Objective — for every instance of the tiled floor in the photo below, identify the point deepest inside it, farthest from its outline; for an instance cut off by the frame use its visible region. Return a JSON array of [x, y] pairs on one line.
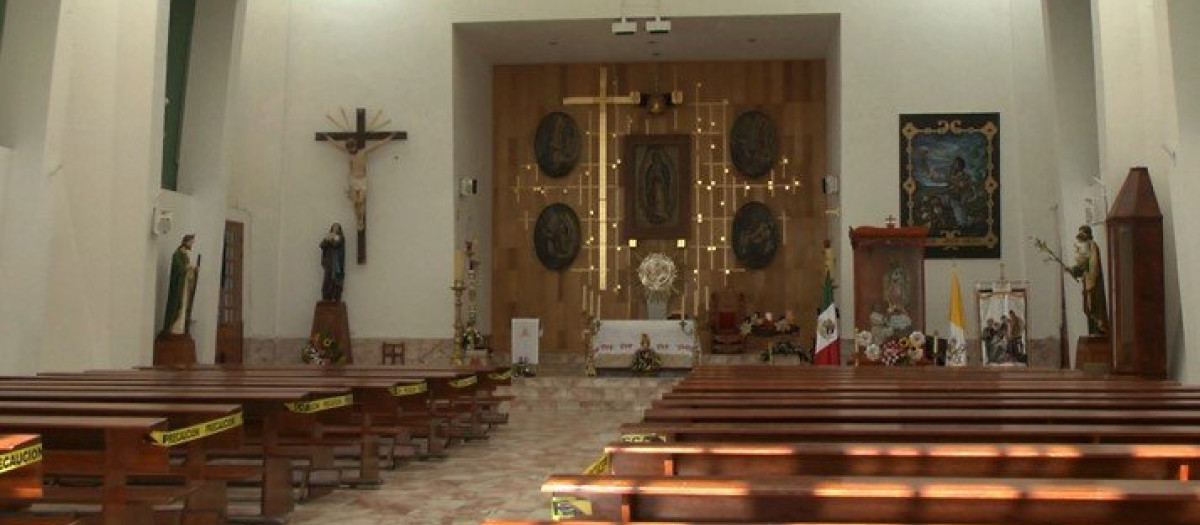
[[499, 477]]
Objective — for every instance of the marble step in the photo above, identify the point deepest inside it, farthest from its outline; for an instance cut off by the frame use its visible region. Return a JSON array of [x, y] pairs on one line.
[[575, 394]]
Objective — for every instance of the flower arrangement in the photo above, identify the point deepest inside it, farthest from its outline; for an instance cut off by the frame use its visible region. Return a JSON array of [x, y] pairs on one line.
[[645, 360], [323, 350], [786, 348], [767, 324], [523, 368], [471, 338], [897, 351]]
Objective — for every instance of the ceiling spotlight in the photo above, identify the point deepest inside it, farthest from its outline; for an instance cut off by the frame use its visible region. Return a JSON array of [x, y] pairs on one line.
[[624, 27], [658, 26]]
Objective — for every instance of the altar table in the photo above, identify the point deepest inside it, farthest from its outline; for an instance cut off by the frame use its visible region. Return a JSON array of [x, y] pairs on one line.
[[616, 341]]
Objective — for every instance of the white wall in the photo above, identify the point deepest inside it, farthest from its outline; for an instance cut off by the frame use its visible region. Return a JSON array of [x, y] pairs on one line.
[[77, 258], [1185, 183], [472, 141], [204, 173], [1069, 28], [1138, 124], [911, 57], [26, 61]]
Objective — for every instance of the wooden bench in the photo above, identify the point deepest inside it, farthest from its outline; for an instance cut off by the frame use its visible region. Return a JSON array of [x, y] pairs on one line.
[[755, 499], [20, 470], [198, 432], [275, 434], [915, 416], [110, 448], [999, 460]]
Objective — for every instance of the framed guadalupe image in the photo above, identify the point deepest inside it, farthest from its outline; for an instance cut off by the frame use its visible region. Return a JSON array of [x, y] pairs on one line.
[[1003, 323], [656, 178], [950, 182]]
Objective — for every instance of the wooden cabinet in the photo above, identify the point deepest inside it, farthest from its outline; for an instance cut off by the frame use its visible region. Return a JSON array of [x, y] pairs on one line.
[[1135, 261], [889, 279]]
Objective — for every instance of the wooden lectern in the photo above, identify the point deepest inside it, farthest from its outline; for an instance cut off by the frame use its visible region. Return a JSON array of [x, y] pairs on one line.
[[889, 276]]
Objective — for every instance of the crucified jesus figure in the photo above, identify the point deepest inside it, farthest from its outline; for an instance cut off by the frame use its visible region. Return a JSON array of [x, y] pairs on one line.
[[356, 187], [358, 141]]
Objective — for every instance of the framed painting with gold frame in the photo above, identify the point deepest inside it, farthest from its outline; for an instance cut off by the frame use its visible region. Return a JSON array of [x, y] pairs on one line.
[[950, 182], [656, 179]]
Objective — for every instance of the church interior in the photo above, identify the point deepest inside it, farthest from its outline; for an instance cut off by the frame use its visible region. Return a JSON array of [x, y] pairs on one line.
[[426, 261]]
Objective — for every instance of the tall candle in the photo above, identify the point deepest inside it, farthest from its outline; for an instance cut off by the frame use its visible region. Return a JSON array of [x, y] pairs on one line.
[[459, 258], [583, 299]]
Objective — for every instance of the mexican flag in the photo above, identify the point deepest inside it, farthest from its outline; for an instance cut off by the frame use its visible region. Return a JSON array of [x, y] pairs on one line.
[[828, 350], [957, 333]]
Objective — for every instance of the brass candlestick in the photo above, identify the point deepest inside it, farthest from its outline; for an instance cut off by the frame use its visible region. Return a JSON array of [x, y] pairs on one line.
[[457, 357], [590, 326]]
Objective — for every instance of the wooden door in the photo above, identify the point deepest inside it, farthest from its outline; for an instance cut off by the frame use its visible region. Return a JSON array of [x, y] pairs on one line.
[[229, 308]]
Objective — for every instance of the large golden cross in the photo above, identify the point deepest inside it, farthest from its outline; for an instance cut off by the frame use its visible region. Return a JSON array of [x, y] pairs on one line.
[[603, 100]]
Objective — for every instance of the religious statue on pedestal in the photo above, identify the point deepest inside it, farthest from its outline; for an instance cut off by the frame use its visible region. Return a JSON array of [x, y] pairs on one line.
[[182, 288], [1089, 272], [333, 262]]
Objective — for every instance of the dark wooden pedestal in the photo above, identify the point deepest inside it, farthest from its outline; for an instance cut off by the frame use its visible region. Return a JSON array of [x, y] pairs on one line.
[[174, 350], [1093, 353], [330, 318]]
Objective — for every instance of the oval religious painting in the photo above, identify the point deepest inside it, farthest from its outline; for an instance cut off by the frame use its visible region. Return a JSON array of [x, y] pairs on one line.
[[556, 144], [753, 146], [556, 236], [756, 235]]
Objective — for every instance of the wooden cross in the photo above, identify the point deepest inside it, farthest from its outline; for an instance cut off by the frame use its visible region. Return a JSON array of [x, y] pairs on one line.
[[603, 100], [358, 143]]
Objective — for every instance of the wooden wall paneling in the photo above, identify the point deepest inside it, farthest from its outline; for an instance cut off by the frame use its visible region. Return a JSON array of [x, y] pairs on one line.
[[791, 92]]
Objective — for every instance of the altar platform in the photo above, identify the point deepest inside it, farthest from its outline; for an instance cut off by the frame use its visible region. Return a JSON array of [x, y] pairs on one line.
[[674, 340]]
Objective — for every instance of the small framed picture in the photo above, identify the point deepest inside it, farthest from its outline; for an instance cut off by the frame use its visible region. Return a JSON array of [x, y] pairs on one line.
[[1003, 323]]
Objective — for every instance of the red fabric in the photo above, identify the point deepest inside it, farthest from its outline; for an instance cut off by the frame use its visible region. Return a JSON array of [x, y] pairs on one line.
[[830, 355], [726, 320]]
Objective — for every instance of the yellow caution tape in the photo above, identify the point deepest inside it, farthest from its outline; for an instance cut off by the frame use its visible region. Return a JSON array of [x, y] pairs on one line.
[[170, 438], [569, 507], [464, 382], [409, 390], [600, 466], [652, 437], [318, 405], [20, 457], [500, 376]]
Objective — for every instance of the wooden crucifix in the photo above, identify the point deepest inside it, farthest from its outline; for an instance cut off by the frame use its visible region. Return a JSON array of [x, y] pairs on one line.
[[358, 142]]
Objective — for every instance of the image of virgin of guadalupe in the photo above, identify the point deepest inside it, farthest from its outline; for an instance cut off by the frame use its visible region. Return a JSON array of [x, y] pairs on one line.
[[333, 263], [658, 206]]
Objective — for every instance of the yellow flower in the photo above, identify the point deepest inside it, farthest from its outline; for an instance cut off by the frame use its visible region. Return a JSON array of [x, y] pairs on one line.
[[327, 342]]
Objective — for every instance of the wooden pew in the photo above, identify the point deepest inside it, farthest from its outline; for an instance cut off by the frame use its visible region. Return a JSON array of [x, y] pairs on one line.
[[111, 448], [916, 416], [20, 470], [419, 415], [198, 432], [754, 499], [366, 420], [999, 460], [280, 433], [1110, 403]]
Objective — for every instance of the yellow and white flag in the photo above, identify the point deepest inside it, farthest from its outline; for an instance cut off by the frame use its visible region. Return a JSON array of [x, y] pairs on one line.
[[956, 351]]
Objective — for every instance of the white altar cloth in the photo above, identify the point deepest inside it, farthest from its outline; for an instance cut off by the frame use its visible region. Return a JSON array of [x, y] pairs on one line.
[[616, 341]]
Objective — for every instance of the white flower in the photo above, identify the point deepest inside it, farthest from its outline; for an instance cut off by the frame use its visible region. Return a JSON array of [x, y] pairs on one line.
[[876, 319], [873, 352], [916, 353], [863, 338], [917, 338], [900, 322]]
